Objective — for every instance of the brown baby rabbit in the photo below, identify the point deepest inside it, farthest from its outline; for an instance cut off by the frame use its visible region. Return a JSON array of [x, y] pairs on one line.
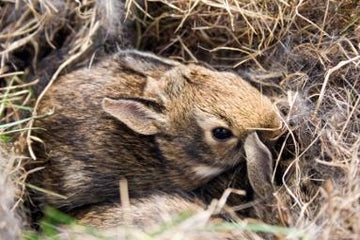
[[162, 125]]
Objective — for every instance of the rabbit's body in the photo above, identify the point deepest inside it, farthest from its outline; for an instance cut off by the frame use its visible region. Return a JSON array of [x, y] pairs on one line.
[[153, 121]]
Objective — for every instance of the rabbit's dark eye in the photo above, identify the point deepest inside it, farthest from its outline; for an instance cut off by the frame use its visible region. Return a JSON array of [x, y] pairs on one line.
[[221, 133]]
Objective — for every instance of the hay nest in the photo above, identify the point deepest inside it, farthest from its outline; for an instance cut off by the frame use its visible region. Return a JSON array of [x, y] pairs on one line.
[[304, 54]]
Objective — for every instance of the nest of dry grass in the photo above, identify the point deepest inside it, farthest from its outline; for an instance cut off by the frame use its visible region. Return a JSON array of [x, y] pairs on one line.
[[304, 54]]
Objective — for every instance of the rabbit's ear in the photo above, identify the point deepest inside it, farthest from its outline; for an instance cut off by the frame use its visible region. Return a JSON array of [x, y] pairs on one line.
[[259, 165], [135, 115]]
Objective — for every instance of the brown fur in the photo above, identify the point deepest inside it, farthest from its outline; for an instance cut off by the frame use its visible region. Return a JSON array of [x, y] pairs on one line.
[[170, 111], [235, 178]]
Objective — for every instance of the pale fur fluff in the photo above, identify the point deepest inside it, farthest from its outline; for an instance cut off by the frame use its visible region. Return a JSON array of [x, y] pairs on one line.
[[207, 171], [113, 14], [10, 222], [148, 215]]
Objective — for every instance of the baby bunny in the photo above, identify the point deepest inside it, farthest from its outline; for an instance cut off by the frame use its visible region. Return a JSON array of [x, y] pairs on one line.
[[162, 125]]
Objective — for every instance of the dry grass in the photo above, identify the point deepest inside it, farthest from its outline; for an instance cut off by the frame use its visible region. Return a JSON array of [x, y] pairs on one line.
[[304, 54]]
